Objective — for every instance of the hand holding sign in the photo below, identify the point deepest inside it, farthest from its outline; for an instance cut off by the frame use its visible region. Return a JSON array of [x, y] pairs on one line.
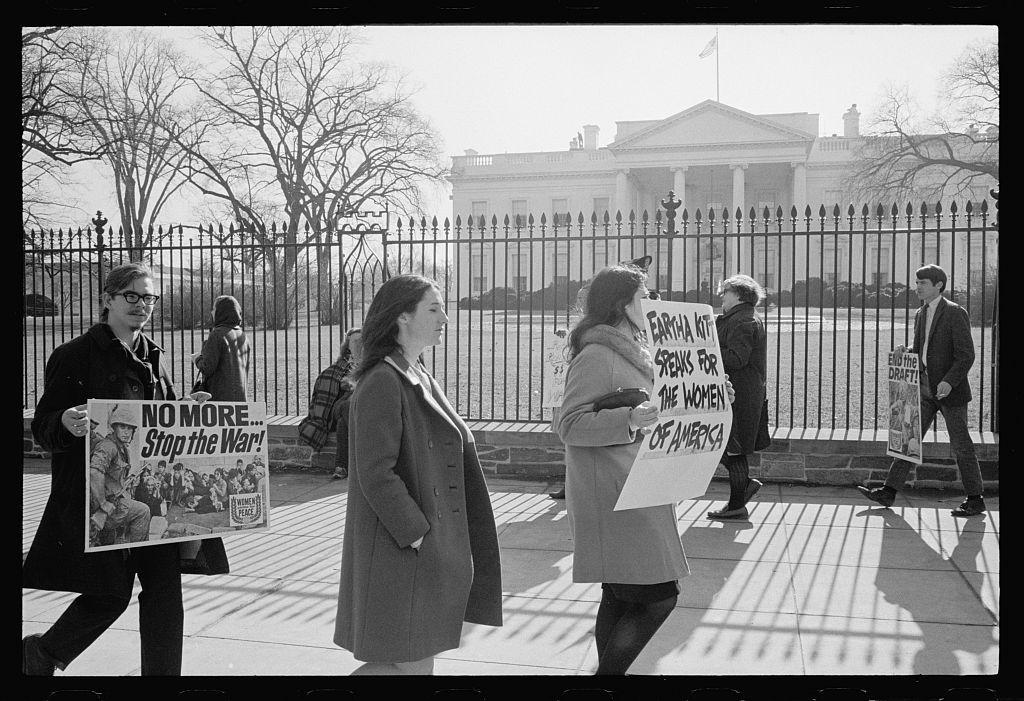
[[642, 416]]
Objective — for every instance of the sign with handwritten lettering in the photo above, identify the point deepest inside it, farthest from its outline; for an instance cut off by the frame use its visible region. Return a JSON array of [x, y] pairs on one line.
[[905, 408], [679, 454], [555, 365]]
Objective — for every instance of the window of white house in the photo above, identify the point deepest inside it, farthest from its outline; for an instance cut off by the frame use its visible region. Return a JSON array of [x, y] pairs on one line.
[[519, 270], [769, 199], [480, 210], [601, 208], [717, 203], [560, 211], [519, 207], [478, 271], [766, 262], [879, 261]]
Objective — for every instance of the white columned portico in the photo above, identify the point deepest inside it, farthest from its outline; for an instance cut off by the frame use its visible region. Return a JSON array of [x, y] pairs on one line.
[[738, 185], [622, 193], [679, 185], [799, 188]]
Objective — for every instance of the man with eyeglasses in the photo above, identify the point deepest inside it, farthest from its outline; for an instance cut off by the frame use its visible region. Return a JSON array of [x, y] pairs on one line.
[[114, 359]]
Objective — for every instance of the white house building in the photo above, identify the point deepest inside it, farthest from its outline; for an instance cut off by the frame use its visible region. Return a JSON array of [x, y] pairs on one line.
[[712, 156]]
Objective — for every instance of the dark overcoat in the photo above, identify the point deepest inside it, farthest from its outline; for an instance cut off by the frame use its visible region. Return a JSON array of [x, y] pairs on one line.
[[413, 471], [950, 349], [95, 365], [744, 344], [224, 359]]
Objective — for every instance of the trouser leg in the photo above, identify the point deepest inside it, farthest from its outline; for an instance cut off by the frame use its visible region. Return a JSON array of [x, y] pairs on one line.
[[631, 634], [899, 469], [88, 616], [609, 612], [739, 478], [341, 457], [161, 612], [963, 447]]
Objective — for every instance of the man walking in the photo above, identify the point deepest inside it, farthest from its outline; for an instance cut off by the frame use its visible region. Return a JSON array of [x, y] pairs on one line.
[[942, 340]]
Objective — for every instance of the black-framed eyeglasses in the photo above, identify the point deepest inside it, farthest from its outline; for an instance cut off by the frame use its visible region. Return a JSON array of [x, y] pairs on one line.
[[134, 297]]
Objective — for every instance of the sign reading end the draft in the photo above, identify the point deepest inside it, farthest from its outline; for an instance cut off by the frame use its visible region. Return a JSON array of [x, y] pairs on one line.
[[678, 457], [164, 471], [905, 408]]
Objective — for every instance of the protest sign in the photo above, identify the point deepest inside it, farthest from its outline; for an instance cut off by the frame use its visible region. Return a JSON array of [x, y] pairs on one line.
[[555, 364], [905, 408], [163, 471], [678, 457]]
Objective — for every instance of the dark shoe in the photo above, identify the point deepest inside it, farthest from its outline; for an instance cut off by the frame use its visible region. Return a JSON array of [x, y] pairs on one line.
[[729, 514], [560, 494], [340, 473], [752, 487], [34, 660], [969, 507], [878, 495]]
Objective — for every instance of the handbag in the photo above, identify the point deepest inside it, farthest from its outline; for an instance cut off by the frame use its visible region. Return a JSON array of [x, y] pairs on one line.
[[764, 438], [631, 397], [206, 556]]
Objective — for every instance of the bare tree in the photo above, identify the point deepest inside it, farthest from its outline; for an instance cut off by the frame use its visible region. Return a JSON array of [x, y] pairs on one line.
[[293, 118], [952, 152], [137, 110]]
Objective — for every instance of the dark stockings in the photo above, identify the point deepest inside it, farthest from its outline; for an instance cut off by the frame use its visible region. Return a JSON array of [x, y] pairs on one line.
[[739, 478], [624, 628]]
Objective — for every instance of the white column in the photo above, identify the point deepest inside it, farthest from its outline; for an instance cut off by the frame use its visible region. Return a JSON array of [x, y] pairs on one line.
[[738, 183], [622, 194], [679, 186], [799, 188]]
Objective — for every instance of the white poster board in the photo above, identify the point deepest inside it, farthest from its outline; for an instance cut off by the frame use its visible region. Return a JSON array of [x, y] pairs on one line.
[[678, 457], [555, 364], [905, 408], [168, 471]]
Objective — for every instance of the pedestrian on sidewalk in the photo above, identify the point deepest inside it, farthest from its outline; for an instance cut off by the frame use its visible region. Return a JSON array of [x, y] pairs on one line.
[[114, 359], [329, 402], [420, 552], [943, 342], [224, 358], [744, 345], [636, 554]]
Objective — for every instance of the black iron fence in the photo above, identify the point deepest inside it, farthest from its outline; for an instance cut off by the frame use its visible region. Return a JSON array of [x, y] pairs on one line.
[[837, 280]]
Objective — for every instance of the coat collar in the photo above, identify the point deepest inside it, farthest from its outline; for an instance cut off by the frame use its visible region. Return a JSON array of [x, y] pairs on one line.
[[406, 372], [621, 343], [741, 309], [104, 337]]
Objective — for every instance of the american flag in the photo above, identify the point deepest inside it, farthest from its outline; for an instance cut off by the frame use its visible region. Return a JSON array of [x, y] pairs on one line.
[[710, 48]]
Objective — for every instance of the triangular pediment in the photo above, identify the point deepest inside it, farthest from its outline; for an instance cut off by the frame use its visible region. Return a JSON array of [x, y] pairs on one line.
[[711, 122]]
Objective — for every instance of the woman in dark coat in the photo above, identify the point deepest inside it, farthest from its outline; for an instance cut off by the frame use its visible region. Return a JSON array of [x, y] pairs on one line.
[[112, 360], [224, 359], [744, 345], [420, 551]]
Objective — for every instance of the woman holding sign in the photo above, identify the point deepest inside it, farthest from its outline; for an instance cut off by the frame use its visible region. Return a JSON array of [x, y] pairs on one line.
[[636, 554], [420, 553], [114, 359], [744, 345]]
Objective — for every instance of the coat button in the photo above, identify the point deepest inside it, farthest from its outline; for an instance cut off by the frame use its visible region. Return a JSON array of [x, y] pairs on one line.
[[135, 388], [435, 491], [430, 444], [439, 515]]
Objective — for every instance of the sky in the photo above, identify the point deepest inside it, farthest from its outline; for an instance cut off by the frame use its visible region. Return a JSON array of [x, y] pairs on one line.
[[512, 88]]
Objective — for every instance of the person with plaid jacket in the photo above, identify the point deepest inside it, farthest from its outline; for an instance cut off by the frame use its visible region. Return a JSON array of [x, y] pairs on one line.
[[328, 403]]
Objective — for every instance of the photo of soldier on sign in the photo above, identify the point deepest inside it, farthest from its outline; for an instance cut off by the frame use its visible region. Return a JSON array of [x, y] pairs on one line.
[[159, 471]]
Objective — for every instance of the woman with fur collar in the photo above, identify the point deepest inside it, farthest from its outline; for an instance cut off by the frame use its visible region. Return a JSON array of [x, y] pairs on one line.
[[636, 554]]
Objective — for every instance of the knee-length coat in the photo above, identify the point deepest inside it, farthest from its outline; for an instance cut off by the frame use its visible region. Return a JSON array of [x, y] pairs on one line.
[[634, 546], [413, 471], [744, 344], [95, 365]]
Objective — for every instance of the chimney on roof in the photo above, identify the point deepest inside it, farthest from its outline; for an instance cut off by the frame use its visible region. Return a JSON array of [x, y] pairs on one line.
[[590, 132], [851, 122]]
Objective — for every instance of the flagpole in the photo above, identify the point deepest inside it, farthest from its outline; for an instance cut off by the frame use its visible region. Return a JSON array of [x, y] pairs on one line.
[[718, 97]]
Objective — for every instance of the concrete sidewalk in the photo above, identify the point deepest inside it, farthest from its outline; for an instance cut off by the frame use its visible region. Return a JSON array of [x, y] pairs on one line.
[[817, 583]]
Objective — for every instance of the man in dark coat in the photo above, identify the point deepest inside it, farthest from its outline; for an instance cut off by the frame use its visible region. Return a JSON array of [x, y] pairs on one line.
[[112, 360], [224, 359], [942, 340]]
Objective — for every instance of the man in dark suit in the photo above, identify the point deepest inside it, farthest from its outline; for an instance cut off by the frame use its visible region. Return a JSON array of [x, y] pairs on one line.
[[942, 339]]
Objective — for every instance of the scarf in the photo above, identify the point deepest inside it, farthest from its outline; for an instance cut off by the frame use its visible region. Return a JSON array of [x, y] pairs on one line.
[[623, 344]]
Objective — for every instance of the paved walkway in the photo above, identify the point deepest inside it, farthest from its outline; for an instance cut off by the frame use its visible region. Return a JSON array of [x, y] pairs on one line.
[[817, 583]]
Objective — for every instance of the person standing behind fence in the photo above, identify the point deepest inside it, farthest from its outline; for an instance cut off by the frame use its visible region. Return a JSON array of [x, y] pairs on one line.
[[112, 360], [636, 554], [328, 403], [420, 551], [224, 358], [744, 345], [942, 340]]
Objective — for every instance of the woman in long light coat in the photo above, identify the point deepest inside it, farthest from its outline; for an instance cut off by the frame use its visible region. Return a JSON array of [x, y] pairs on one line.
[[636, 554], [420, 551]]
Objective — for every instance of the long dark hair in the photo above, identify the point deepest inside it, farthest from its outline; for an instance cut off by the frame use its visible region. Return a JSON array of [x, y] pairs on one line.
[[610, 293], [399, 295]]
